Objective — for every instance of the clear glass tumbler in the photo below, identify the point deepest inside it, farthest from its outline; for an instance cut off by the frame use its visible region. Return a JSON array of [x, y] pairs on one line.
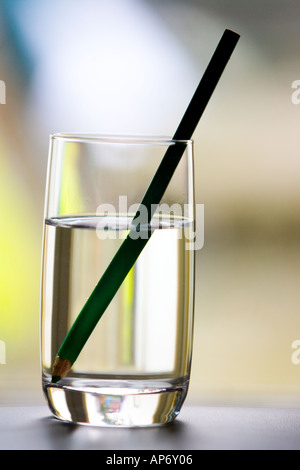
[[134, 369]]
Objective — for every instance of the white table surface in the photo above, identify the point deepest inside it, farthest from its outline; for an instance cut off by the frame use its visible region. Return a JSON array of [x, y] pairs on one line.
[[196, 428]]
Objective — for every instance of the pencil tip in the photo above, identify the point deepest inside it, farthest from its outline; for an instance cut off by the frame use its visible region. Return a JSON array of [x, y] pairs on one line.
[[55, 379], [60, 369]]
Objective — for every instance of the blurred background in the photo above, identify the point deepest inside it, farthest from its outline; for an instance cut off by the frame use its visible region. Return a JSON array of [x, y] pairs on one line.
[[131, 66]]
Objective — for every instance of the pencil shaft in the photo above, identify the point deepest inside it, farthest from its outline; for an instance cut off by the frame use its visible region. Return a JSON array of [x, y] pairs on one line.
[[207, 85], [132, 246], [190, 120]]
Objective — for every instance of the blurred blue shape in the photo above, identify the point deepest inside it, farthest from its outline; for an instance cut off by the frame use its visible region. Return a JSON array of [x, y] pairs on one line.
[[14, 45]]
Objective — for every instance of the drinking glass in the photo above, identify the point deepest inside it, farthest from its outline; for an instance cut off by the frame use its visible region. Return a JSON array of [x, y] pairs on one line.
[[134, 369]]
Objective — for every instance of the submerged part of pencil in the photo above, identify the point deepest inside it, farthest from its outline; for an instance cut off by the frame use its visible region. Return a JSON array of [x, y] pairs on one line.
[[61, 368]]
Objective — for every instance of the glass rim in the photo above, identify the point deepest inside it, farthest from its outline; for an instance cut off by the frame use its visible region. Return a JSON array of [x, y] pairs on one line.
[[118, 138]]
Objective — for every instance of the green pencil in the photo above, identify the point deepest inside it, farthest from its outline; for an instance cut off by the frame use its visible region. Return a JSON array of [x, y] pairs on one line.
[[132, 246]]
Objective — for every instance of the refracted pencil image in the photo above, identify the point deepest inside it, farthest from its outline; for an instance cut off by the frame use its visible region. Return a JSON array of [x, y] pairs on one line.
[[117, 312]]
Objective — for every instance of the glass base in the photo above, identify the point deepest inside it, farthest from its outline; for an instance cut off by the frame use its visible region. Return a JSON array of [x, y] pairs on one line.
[[129, 403]]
